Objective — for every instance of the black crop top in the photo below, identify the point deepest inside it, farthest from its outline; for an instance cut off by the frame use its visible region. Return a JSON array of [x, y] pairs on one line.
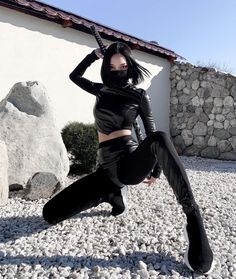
[[115, 108]]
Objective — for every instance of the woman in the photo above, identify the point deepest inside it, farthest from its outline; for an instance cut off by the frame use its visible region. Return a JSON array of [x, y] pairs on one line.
[[120, 160]]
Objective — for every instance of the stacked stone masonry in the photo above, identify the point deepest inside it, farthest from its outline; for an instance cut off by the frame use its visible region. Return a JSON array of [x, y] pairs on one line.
[[203, 112]]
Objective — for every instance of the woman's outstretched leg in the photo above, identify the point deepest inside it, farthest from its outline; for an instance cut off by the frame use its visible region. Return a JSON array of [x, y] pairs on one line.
[[81, 195], [133, 169]]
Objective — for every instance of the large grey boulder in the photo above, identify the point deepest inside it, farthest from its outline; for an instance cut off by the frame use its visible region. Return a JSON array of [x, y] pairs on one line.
[[33, 140], [4, 189]]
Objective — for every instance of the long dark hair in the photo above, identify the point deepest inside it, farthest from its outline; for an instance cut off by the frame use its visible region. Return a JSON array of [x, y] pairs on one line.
[[135, 72]]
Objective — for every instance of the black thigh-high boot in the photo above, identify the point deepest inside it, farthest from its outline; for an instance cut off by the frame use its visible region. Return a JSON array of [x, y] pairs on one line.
[[173, 169], [199, 256], [87, 192]]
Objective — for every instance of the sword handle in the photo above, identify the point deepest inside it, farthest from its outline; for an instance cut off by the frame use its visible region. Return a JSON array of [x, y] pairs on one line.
[[98, 39]]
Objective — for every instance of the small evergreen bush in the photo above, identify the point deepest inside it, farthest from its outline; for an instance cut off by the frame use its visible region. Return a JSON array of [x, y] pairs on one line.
[[81, 143]]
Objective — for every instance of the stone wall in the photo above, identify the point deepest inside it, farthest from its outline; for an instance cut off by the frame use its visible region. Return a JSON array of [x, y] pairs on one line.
[[203, 111]]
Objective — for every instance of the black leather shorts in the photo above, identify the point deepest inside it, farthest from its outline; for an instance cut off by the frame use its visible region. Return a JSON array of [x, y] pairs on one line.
[[111, 152]]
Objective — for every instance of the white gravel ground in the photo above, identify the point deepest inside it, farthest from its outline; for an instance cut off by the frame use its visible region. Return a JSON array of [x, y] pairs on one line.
[[146, 243]]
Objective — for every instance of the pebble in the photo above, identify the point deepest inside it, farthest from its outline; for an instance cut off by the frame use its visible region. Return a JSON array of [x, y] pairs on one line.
[[143, 274], [96, 268], [142, 265], [3, 253], [233, 273], [153, 273], [157, 266], [122, 251], [175, 273], [165, 270]]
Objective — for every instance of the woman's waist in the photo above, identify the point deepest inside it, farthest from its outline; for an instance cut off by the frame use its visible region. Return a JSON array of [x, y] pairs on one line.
[[111, 151], [102, 137]]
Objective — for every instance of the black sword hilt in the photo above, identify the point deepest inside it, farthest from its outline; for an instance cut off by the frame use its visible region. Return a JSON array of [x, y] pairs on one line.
[[98, 39]]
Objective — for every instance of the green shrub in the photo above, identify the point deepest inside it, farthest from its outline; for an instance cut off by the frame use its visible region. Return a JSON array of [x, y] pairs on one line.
[[81, 143]]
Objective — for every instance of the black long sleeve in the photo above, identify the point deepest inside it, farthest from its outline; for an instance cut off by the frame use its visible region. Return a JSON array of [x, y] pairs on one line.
[[146, 114], [149, 126], [77, 73]]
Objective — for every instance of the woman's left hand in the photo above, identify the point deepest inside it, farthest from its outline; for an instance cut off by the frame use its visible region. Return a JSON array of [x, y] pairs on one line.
[[98, 53], [150, 180]]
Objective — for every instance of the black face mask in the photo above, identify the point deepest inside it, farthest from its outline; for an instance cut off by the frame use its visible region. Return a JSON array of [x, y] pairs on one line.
[[118, 78]]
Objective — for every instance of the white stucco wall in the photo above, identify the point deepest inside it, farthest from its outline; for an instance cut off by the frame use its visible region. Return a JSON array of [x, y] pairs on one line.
[[157, 86], [35, 49]]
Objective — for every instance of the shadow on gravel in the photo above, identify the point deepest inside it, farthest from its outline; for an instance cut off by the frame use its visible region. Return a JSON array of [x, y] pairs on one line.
[[127, 262], [13, 228], [201, 164]]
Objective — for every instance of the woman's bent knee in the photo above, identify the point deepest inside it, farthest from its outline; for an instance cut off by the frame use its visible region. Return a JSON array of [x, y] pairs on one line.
[[47, 214]]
